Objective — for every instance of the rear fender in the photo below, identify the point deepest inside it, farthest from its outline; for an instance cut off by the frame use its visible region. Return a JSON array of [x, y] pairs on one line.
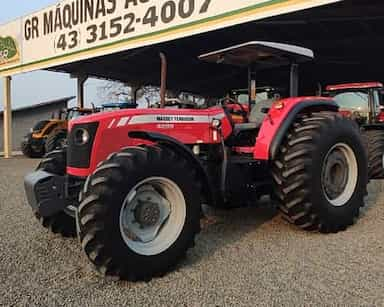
[[281, 117], [182, 150]]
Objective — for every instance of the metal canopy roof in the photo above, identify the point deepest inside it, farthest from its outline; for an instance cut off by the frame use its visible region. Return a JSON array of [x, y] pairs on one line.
[[261, 54], [347, 38]]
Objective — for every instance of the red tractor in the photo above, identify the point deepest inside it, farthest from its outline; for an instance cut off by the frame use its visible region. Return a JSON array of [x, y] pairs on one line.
[[131, 183], [363, 103]]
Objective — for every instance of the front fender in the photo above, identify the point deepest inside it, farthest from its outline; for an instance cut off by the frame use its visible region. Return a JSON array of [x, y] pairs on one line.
[[281, 117], [182, 150]]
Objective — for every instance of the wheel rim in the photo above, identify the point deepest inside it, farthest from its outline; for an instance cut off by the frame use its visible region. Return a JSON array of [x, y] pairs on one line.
[[152, 216], [339, 174]]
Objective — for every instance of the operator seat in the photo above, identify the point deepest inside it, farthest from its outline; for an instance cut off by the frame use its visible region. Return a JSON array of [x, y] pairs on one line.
[[256, 116]]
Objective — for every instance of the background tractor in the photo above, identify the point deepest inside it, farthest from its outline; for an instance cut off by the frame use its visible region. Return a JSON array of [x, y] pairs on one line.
[[363, 103], [143, 174], [48, 135]]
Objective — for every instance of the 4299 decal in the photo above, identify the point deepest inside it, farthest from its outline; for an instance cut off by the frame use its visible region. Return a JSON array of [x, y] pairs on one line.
[[127, 23]]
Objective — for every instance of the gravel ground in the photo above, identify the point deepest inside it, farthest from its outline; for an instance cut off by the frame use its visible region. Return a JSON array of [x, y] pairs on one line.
[[242, 257]]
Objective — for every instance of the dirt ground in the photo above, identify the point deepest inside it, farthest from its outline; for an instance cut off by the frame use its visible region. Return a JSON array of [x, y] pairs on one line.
[[243, 257]]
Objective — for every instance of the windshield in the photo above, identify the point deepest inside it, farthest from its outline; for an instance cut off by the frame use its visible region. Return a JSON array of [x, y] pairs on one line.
[[354, 104], [354, 100]]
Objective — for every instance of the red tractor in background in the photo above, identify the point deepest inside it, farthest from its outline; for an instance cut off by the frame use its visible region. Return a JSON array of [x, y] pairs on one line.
[[131, 183], [363, 103]]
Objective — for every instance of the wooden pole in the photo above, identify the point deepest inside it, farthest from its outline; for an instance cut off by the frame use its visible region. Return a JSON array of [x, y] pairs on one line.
[[7, 120]]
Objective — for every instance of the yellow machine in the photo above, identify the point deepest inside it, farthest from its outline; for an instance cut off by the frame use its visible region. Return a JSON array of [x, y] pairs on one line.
[[48, 135]]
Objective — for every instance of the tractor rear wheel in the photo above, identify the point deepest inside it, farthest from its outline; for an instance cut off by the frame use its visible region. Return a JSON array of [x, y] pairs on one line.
[[374, 140], [56, 141], [140, 213], [64, 222], [320, 173]]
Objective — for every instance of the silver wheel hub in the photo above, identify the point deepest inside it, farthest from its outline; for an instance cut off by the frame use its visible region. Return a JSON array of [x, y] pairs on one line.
[[339, 174], [147, 212], [152, 216]]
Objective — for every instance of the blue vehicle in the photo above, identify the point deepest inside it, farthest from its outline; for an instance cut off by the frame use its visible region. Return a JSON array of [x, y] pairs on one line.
[[117, 106]]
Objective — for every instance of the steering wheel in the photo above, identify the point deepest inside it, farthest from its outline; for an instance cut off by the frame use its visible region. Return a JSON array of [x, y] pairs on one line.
[[228, 100]]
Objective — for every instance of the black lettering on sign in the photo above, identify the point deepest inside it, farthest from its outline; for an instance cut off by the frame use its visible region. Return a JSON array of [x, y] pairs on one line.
[[75, 13], [128, 2], [92, 29], [100, 9], [27, 30], [58, 22], [67, 21], [48, 22], [151, 17], [103, 28], [62, 43], [186, 8], [112, 7], [73, 39], [168, 11], [88, 10], [205, 6], [31, 28], [131, 19], [115, 26]]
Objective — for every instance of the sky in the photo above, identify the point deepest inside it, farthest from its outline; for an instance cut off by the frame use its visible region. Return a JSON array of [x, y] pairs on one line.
[[36, 87]]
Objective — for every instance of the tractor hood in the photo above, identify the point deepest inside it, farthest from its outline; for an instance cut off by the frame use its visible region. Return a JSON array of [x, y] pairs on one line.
[[121, 118], [92, 138]]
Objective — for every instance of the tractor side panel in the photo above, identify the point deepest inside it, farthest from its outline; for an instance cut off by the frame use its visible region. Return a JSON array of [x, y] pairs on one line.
[[274, 120]]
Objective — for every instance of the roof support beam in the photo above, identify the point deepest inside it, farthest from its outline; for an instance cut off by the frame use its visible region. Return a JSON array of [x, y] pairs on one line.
[[7, 118]]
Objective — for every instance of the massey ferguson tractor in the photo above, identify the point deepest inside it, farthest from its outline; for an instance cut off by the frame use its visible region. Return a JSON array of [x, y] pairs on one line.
[[131, 183], [363, 103]]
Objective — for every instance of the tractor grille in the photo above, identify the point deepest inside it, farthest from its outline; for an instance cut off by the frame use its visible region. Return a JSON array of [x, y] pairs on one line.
[[79, 156]]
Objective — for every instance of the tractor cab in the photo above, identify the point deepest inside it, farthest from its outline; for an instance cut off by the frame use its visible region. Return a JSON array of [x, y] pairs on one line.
[[257, 56], [360, 101]]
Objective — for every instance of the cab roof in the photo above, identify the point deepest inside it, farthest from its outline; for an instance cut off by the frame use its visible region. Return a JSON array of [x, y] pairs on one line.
[[259, 53], [349, 86]]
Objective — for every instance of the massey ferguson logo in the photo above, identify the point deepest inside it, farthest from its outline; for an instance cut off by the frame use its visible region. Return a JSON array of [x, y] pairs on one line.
[[8, 50], [175, 118]]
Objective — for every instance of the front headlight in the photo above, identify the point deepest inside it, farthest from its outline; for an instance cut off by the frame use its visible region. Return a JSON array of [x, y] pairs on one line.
[[81, 136]]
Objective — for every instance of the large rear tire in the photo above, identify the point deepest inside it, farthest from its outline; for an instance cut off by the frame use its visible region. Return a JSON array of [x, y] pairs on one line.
[[64, 222], [320, 173], [374, 140], [140, 213]]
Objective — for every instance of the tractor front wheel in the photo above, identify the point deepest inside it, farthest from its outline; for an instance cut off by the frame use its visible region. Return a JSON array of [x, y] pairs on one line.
[[140, 213], [320, 173]]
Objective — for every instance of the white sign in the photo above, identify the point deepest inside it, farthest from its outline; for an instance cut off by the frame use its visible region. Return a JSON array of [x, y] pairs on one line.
[[78, 29]]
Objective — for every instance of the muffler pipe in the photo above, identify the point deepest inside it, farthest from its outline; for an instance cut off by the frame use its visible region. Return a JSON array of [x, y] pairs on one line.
[[163, 82]]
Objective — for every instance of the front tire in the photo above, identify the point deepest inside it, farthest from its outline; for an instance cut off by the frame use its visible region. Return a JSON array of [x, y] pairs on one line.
[[320, 173], [140, 213], [64, 222]]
